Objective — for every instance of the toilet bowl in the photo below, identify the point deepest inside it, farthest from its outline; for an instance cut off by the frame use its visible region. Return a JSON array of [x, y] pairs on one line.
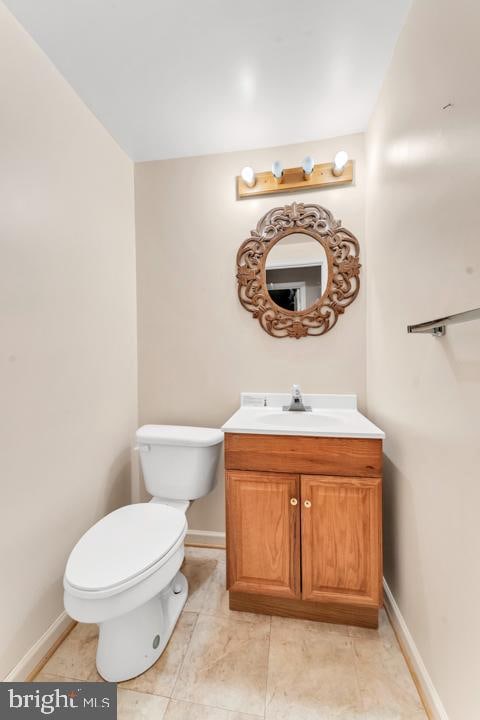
[[124, 573]]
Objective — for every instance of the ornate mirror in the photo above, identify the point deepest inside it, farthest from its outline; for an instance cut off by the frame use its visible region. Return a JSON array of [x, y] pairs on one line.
[[298, 271]]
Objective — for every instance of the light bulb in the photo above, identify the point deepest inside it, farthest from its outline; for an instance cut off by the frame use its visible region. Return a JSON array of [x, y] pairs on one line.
[[339, 162], [308, 164], [248, 176], [277, 170]]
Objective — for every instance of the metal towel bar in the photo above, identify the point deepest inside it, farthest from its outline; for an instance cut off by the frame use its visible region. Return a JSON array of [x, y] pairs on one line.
[[438, 327]]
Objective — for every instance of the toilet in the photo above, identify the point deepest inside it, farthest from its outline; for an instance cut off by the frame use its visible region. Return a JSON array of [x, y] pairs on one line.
[[124, 573]]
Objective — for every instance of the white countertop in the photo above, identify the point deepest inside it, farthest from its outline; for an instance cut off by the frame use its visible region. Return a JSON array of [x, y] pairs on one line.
[[331, 416]]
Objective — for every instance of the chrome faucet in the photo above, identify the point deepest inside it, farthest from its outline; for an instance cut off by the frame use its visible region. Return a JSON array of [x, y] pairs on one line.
[[296, 403]]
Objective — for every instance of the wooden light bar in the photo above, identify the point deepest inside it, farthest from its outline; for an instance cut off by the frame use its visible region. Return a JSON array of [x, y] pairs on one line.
[[293, 179]]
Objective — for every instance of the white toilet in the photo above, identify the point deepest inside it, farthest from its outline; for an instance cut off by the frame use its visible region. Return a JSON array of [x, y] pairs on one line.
[[123, 574]]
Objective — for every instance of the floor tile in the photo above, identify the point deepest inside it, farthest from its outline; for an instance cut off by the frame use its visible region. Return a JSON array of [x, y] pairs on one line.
[[207, 587], [318, 627], [133, 705], [180, 710], [216, 600], [75, 658], [218, 554], [311, 673], [384, 629], [226, 665], [160, 678], [387, 688], [198, 568]]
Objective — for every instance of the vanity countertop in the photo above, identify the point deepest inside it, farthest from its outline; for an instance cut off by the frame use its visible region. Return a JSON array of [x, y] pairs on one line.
[[331, 416]]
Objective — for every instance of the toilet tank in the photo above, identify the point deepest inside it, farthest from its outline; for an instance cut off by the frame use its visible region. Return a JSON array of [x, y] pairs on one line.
[[179, 462]]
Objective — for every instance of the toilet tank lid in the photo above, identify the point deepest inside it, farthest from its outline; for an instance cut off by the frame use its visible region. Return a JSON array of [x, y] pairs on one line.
[[179, 435]]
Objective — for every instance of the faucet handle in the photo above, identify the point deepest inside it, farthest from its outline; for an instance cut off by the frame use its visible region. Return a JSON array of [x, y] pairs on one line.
[[296, 392]]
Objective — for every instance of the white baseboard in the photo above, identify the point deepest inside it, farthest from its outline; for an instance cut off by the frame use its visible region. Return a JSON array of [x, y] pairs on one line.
[[426, 686], [205, 537], [35, 655]]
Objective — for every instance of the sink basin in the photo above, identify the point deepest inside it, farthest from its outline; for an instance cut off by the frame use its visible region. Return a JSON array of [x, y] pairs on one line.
[[332, 416], [298, 419]]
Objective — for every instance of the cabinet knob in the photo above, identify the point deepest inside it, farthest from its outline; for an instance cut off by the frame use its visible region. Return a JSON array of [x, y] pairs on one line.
[[293, 501], [307, 503]]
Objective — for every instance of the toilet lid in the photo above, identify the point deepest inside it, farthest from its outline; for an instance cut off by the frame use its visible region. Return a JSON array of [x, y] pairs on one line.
[[123, 545]]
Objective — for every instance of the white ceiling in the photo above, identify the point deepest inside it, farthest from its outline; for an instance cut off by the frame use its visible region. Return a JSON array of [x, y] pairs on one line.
[[170, 78]]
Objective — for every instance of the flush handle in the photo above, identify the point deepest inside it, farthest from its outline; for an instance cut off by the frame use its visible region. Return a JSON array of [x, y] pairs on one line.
[[293, 501], [307, 504]]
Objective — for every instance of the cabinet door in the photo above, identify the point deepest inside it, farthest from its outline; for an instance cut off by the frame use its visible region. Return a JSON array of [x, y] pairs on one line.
[[341, 539], [263, 533]]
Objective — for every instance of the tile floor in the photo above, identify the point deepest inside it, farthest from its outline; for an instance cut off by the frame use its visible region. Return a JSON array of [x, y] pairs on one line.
[[225, 665]]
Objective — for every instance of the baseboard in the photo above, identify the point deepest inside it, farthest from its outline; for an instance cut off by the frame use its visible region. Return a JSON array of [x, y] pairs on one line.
[[37, 656], [422, 679], [205, 538]]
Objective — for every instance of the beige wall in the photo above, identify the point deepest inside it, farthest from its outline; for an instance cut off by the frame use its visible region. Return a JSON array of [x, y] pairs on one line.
[[67, 328], [198, 347], [424, 262]]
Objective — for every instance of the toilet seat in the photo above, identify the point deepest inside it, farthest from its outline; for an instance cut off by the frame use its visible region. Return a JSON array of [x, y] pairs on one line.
[[123, 548]]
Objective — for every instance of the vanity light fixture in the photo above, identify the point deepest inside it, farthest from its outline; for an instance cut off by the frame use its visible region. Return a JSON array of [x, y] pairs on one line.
[[308, 176], [308, 165], [277, 171], [339, 162], [248, 176]]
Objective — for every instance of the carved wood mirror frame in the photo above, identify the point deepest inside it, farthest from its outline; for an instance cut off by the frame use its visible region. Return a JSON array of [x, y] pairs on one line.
[[342, 251]]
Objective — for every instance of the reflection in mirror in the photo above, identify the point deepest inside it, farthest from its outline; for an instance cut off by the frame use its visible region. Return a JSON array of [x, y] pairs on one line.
[[296, 272]]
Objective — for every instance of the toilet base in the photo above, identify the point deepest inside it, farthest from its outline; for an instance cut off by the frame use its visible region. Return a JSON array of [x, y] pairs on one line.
[[131, 643]]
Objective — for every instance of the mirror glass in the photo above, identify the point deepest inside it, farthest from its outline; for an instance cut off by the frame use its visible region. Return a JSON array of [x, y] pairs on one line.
[[296, 272]]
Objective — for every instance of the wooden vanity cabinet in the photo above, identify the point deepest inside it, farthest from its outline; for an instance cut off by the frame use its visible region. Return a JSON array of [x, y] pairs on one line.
[[306, 543], [341, 541], [264, 533]]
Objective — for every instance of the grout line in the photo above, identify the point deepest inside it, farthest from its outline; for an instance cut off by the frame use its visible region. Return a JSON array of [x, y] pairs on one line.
[[166, 709], [357, 678], [180, 667], [141, 692], [254, 716]]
